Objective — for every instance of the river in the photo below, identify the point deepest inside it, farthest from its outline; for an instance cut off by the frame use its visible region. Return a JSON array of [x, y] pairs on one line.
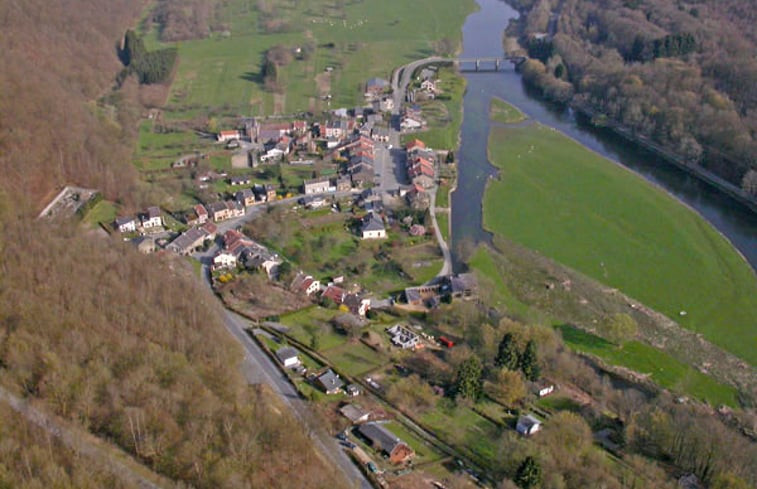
[[482, 36]]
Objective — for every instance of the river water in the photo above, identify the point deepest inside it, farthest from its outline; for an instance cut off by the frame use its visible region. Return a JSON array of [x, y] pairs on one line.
[[482, 36]]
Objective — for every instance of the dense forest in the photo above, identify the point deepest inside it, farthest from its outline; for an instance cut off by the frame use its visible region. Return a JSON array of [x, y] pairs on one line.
[[126, 347], [680, 75]]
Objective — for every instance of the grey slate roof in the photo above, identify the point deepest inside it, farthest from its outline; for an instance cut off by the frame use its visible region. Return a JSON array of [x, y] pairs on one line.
[[372, 223], [286, 353], [380, 436], [330, 380]]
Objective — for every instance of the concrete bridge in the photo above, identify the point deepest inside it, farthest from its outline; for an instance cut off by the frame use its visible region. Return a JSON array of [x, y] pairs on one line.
[[485, 63]]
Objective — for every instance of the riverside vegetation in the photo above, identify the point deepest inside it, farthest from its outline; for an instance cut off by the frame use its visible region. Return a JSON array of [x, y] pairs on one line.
[[679, 74]]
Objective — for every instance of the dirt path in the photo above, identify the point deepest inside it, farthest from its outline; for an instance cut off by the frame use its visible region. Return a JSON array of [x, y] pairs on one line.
[[99, 452]]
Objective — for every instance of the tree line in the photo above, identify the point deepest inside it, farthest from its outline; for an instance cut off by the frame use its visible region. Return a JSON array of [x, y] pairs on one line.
[[148, 66], [682, 78]]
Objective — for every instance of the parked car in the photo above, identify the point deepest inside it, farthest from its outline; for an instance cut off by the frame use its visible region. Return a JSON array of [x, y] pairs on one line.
[[342, 436]]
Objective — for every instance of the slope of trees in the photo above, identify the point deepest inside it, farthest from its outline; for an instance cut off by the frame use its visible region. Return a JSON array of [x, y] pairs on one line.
[[30, 458], [136, 354], [679, 75], [55, 60], [181, 20], [128, 347]]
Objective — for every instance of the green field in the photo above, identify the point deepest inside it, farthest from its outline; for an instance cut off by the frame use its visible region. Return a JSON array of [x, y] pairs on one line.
[[662, 368], [354, 358], [504, 113], [442, 220], [470, 432], [571, 205], [359, 40]]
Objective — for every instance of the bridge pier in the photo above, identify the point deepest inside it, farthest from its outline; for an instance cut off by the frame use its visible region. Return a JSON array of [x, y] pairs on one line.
[[477, 64], [496, 65]]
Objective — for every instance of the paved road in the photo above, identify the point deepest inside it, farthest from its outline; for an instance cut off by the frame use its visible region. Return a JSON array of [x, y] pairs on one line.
[[447, 266], [258, 368], [108, 457], [401, 78]]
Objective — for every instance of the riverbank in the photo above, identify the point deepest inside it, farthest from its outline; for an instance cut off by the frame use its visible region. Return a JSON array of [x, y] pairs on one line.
[[728, 188], [569, 204]]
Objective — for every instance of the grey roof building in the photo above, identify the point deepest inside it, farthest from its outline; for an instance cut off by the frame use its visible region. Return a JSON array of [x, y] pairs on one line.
[[330, 382]]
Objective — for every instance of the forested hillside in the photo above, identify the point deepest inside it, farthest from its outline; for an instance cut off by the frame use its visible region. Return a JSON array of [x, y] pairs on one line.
[[128, 347], [678, 74]]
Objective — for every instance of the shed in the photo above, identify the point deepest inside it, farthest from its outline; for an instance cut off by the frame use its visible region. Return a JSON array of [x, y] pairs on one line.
[[355, 413], [288, 357], [528, 425]]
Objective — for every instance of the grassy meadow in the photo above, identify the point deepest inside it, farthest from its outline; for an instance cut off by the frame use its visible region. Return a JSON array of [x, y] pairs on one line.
[[504, 113], [661, 367], [358, 39], [571, 205]]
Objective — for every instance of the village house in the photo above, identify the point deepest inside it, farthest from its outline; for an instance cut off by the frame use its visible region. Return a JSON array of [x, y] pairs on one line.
[[372, 227], [429, 85], [343, 184], [224, 260], [336, 129], [192, 239], [459, 286], [387, 442], [380, 134], [403, 337], [356, 304], [299, 127], [225, 136], [246, 197], [197, 216], [355, 413], [152, 218], [527, 425], [218, 211], [305, 284], [264, 133], [415, 145], [329, 382], [126, 224], [317, 186], [270, 192], [145, 244], [240, 180], [334, 294], [288, 357], [418, 198], [375, 87]]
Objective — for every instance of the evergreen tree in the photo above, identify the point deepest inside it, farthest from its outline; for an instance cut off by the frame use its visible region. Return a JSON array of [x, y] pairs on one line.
[[469, 374], [528, 474], [507, 356], [529, 363]]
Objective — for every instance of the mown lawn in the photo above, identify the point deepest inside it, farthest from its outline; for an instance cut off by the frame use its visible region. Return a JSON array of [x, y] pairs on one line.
[[504, 113], [423, 452], [571, 205], [354, 358], [661, 367], [467, 430]]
